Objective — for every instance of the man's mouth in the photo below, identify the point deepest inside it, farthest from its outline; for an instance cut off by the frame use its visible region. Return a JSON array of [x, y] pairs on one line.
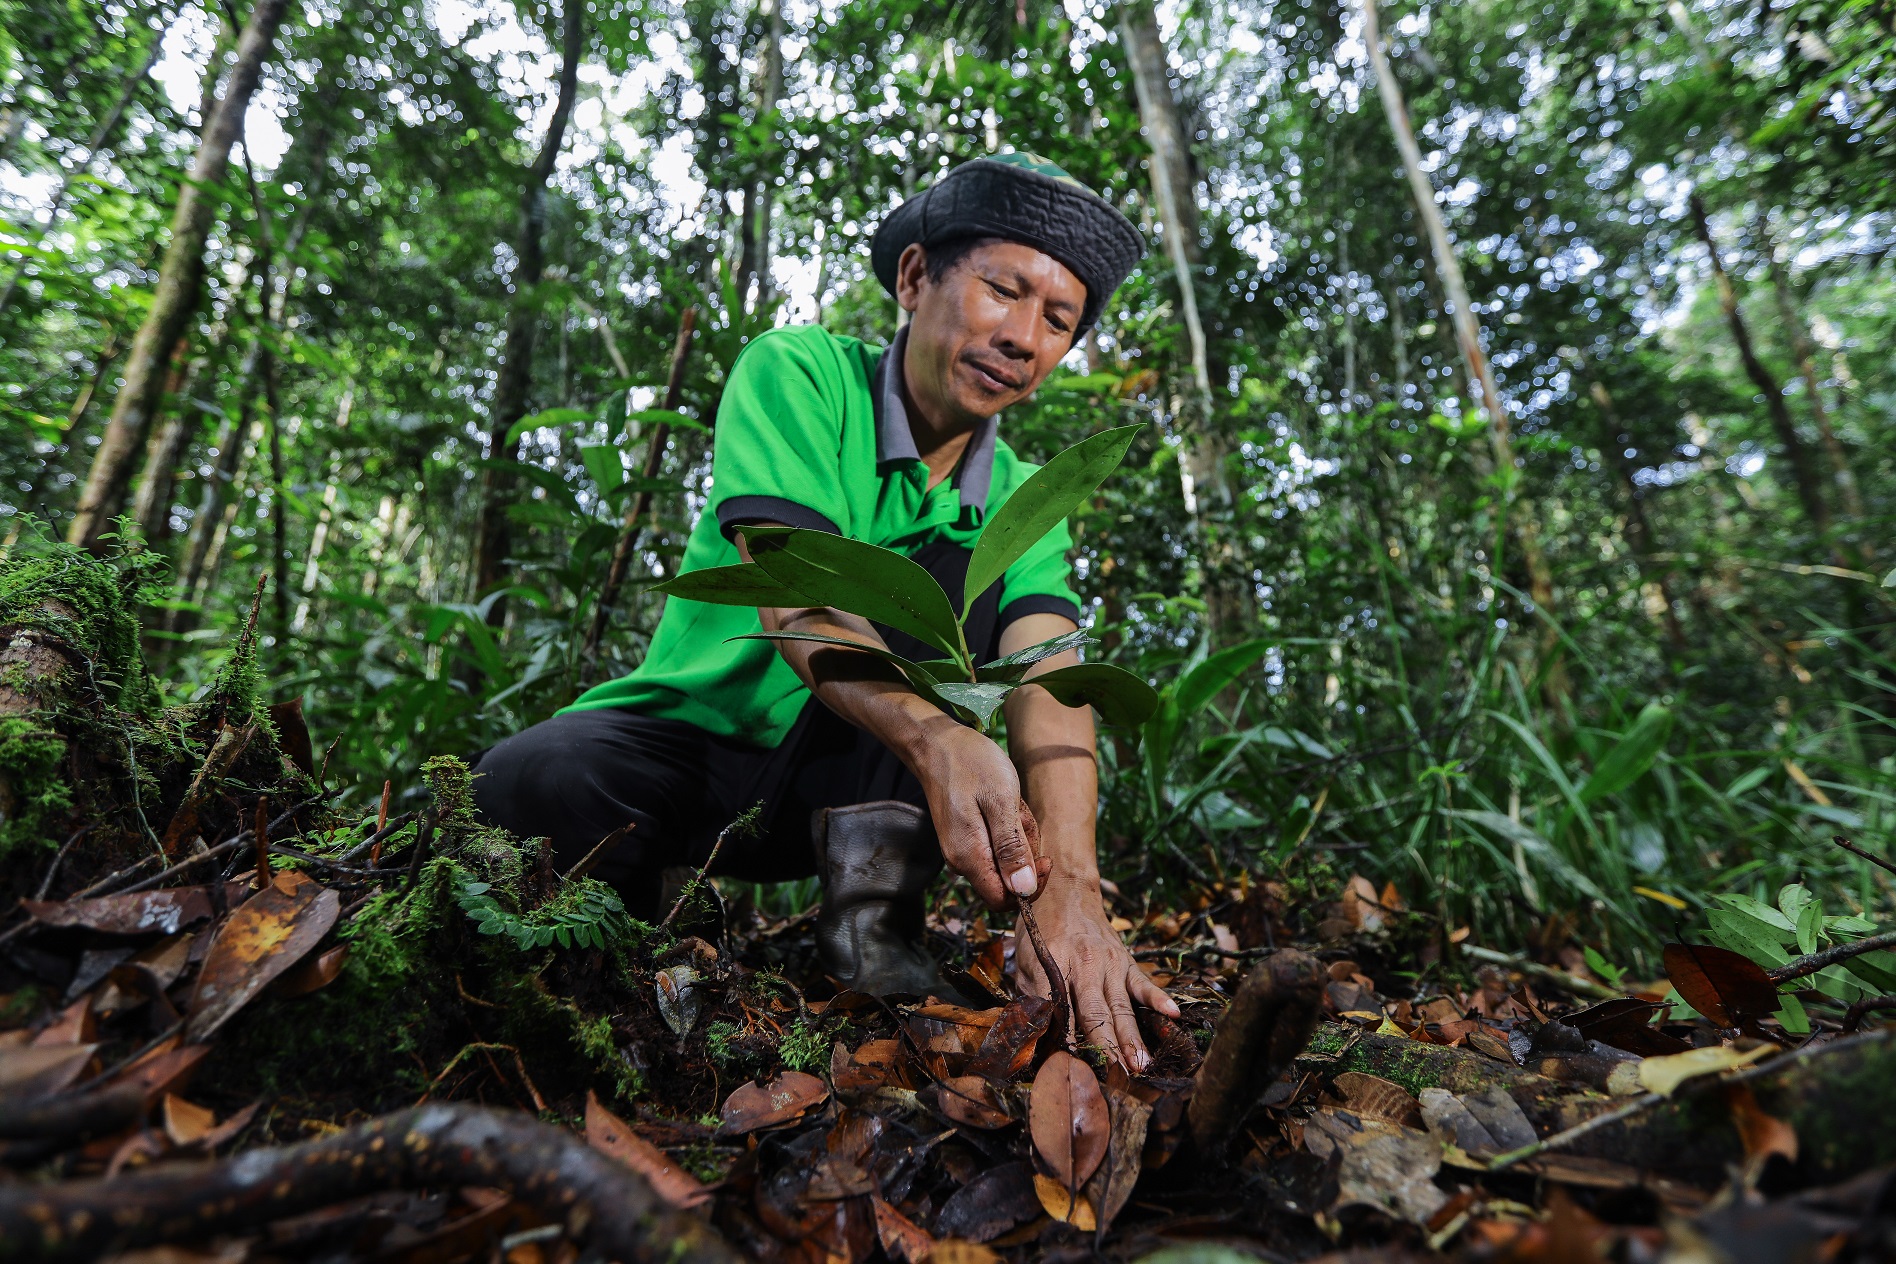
[[992, 378]]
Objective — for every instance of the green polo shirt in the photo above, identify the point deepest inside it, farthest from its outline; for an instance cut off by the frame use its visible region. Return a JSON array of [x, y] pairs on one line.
[[812, 432]]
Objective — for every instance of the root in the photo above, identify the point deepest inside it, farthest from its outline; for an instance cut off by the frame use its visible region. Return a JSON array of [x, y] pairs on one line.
[[608, 1208]]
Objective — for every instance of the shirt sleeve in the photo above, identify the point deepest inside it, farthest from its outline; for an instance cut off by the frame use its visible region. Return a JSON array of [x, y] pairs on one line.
[[779, 440], [1041, 582]]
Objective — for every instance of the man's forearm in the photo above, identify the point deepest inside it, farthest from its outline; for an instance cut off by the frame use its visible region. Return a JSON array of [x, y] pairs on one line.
[[1056, 751]]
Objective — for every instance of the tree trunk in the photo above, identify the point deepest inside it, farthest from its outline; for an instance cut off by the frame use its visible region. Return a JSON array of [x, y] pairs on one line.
[[516, 371], [180, 279], [100, 138], [279, 512], [1804, 477], [1516, 514], [1639, 536], [151, 507], [1804, 352], [754, 262], [1202, 471]]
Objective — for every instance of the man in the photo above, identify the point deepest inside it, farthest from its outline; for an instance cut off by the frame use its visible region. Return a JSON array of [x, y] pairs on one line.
[[1003, 264]]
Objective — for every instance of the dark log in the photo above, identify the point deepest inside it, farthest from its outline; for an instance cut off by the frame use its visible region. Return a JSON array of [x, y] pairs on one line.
[[1270, 1022], [74, 1116], [609, 1209]]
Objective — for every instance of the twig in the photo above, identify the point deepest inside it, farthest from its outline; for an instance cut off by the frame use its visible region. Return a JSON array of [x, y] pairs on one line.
[[1798, 967], [1853, 1018], [367, 845], [1572, 982], [279, 849], [424, 839], [600, 848], [52, 870], [1642, 1104], [744, 822], [485, 1047], [1854, 850]]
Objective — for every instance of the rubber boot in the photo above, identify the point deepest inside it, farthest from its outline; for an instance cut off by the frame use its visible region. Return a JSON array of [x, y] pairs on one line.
[[876, 861]]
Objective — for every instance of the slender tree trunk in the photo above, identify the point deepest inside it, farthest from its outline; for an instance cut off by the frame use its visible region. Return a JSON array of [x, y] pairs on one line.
[[1515, 513], [1804, 352], [151, 507], [180, 279], [279, 511], [1639, 535], [1173, 190], [1804, 476], [95, 145], [516, 373], [754, 262]]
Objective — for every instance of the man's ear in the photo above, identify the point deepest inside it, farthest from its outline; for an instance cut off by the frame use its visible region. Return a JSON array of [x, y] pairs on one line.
[[911, 274]]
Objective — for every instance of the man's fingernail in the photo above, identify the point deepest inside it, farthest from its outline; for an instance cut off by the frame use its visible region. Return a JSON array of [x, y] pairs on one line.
[[1023, 880], [1141, 1059]]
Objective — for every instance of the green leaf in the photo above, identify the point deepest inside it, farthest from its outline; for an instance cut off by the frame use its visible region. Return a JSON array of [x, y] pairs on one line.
[[550, 419], [546, 480], [1746, 935], [861, 579], [1014, 666], [983, 700], [1810, 927], [1201, 684], [1632, 755], [1796, 1022], [1759, 911], [1041, 503], [745, 584], [1792, 899], [603, 462], [664, 417], [1119, 696], [1851, 925]]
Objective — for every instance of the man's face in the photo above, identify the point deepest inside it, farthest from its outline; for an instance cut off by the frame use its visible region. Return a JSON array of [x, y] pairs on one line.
[[987, 334]]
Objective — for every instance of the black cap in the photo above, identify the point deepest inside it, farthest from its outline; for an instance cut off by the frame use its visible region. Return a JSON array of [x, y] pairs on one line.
[[1020, 197]]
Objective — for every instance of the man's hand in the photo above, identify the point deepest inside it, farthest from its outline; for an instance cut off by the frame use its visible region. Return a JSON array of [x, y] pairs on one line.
[[974, 797], [1103, 982]]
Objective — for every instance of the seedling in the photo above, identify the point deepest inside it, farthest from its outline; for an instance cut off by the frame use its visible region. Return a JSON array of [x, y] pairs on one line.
[[795, 567]]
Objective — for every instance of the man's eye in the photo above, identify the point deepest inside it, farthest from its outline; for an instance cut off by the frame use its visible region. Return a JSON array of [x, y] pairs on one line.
[[1001, 290]]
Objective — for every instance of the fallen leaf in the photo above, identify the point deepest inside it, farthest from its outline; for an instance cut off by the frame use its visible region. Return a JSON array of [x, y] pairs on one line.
[[1381, 1165], [1008, 1048], [1663, 1075], [140, 913], [311, 974], [1373, 1097], [35, 1071], [1068, 1119], [1112, 1185], [164, 1070], [989, 1205], [678, 999], [1065, 1205], [186, 1122], [757, 1105], [1361, 906], [901, 1238], [75, 1025], [1486, 1123], [1730, 989], [1495, 1044], [230, 1127], [613, 1137], [1626, 1023], [265, 936], [1763, 1135], [971, 1101], [956, 1251]]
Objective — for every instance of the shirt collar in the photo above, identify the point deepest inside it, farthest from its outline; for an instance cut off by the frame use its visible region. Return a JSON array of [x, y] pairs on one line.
[[895, 441]]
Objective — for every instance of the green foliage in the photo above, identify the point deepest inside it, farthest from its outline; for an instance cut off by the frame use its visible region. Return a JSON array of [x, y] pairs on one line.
[[34, 792], [585, 914], [1797, 925]]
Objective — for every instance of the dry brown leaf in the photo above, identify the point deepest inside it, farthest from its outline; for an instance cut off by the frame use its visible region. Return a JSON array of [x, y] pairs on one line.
[[1763, 1135], [265, 936], [1112, 1185], [971, 1101], [1068, 1119], [164, 1070], [34, 1071], [1008, 1048], [1065, 1205], [960, 1251], [1663, 1075], [311, 974], [1376, 1098], [142, 913], [186, 1122], [902, 1239], [74, 1026], [755, 1106], [613, 1137], [1361, 906], [1730, 989], [1383, 1165]]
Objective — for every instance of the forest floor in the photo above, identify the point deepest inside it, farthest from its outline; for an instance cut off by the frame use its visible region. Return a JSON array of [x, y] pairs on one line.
[[236, 1025]]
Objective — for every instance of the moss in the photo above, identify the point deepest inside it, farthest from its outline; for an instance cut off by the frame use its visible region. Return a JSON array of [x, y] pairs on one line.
[[453, 788], [1415, 1071], [1329, 1040], [805, 1046], [91, 603], [34, 793]]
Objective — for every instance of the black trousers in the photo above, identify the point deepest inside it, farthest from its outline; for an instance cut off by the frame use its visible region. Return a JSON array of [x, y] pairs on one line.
[[577, 777]]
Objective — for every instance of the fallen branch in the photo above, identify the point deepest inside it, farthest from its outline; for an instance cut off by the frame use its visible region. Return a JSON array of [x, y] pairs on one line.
[[610, 1209], [1799, 967], [1854, 850], [73, 1117], [1270, 1021]]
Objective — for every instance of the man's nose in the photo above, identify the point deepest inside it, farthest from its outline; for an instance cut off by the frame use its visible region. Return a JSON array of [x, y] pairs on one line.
[[1015, 336]]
